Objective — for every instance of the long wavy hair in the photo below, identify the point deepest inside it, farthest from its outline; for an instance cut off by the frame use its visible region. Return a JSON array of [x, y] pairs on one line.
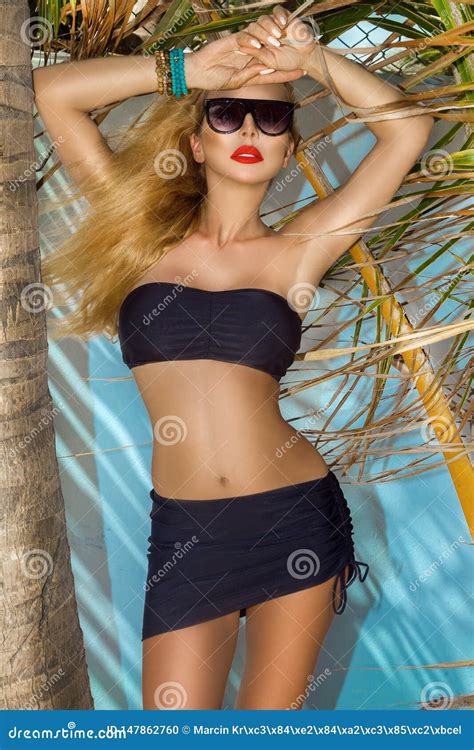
[[149, 201]]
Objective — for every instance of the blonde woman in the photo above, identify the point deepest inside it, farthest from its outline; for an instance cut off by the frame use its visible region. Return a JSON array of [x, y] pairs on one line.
[[175, 258]]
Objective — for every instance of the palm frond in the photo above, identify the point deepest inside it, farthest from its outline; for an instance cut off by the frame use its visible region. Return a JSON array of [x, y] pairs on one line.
[[399, 344]]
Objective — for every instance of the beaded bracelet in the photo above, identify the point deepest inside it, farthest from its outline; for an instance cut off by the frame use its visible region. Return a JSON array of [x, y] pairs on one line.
[[163, 72], [177, 71], [170, 72]]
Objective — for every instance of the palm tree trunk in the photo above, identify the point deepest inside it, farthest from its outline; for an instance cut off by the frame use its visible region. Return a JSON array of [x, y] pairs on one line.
[[42, 661]]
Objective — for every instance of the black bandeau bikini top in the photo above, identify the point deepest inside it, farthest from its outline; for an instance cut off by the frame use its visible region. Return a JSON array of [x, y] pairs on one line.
[[161, 321]]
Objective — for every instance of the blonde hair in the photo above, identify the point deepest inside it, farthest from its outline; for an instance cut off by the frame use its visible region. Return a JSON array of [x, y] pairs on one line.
[[134, 217]]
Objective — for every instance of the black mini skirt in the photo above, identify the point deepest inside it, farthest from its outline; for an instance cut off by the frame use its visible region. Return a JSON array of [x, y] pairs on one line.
[[207, 558]]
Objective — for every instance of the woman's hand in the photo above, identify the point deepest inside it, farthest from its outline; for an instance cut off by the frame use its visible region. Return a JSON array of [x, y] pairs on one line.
[[222, 64], [283, 46]]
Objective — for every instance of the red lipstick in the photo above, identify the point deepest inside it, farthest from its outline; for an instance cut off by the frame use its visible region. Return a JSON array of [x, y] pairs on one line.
[[247, 155]]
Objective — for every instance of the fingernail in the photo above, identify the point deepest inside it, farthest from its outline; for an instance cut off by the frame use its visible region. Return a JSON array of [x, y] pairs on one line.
[[266, 71], [276, 31], [255, 43], [274, 41], [282, 19]]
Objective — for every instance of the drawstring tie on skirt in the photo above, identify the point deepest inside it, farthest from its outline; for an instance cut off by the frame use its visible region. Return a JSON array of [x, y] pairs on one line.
[[354, 572]]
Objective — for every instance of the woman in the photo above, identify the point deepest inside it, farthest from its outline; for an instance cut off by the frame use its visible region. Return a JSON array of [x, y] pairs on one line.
[[204, 297]]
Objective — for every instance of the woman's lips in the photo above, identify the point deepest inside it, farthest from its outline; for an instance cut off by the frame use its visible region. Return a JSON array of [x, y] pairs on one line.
[[247, 155]]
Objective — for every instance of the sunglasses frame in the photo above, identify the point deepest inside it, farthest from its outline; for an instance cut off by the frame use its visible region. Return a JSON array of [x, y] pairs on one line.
[[249, 105]]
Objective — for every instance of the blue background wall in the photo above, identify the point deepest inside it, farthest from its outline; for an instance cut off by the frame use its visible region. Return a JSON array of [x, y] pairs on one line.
[[377, 653]]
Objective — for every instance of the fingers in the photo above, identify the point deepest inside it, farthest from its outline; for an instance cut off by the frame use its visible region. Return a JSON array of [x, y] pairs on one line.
[[280, 76], [264, 32], [263, 55], [280, 15], [254, 70], [252, 75], [266, 40], [285, 75]]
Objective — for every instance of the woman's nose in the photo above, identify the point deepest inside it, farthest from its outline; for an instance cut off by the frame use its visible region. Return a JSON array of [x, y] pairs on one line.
[[248, 125]]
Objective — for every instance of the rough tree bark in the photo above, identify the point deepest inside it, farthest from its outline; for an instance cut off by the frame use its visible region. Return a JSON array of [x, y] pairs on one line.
[[42, 661]]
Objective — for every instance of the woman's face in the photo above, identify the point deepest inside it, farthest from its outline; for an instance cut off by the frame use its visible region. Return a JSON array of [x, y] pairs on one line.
[[217, 150]]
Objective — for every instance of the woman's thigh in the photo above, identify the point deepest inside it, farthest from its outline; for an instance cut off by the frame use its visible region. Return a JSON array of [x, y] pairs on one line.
[[188, 668], [283, 638]]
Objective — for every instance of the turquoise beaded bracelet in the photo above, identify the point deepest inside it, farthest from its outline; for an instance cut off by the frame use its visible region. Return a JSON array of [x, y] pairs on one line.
[[178, 77]]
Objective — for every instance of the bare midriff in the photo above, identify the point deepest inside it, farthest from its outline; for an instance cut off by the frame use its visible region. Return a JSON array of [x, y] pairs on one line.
[[218, 431]]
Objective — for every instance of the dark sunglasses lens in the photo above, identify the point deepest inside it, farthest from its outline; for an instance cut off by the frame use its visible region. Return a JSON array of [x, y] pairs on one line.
[[273, 117], [225, 116]]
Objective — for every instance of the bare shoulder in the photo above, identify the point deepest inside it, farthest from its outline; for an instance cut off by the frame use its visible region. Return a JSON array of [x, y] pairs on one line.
[[169, 266], [321, 232]]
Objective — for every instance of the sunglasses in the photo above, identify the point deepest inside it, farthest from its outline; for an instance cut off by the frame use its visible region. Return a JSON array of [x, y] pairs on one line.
[[271, 116]]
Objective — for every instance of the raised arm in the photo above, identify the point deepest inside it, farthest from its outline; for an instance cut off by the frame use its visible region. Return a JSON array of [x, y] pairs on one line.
[[66, 94], [374, 182]]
